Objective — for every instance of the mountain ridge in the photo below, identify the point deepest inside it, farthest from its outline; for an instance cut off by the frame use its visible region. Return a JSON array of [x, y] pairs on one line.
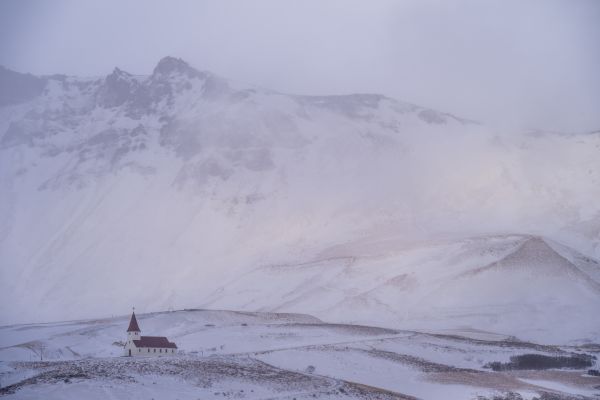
[[170, 65]]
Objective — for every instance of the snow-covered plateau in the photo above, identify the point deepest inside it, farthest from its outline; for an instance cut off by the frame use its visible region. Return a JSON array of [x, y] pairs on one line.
[[462, 243]]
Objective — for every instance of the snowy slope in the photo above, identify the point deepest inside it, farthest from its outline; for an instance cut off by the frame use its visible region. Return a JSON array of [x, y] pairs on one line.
[[514, 285], [182, 188]]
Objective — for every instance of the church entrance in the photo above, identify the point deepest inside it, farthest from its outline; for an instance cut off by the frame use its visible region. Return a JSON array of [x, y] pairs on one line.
[[129, 352]]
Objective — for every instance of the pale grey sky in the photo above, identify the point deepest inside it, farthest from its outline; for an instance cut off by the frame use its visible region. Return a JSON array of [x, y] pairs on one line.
[[528, 63]]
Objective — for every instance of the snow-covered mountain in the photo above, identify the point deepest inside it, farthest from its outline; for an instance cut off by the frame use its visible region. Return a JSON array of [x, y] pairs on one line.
[[182, 188]]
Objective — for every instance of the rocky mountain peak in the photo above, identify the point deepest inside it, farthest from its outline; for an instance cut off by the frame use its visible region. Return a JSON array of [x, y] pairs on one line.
[[118, 87], [117, 72], [169, 65]]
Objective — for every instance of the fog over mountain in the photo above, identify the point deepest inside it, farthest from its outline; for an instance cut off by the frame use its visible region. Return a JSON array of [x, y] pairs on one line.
[[359, 207], [507, 62]]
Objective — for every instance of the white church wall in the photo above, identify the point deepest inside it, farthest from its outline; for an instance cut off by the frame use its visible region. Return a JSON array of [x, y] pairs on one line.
[[147, 351]]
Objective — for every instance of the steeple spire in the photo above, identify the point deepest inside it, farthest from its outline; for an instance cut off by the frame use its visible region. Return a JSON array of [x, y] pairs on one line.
[[133, 325]]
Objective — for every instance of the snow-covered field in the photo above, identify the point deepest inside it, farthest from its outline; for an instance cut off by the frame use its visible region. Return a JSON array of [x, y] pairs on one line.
[[227, 354]]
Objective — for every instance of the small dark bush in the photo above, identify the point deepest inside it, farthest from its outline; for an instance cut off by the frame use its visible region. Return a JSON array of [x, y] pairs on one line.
[[497, 366], [593, 372], [540, 361]]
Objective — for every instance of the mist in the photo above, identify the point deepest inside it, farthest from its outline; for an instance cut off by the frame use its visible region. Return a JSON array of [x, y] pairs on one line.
[[511, 64]]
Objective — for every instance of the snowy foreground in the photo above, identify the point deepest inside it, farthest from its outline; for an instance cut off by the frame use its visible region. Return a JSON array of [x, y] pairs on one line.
[[226, 354]]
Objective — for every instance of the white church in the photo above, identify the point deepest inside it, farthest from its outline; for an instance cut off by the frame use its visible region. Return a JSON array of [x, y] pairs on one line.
[[146, 345]]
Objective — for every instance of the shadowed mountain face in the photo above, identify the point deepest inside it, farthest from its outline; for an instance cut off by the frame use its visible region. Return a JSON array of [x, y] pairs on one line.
[[17, 88], [183, 182]]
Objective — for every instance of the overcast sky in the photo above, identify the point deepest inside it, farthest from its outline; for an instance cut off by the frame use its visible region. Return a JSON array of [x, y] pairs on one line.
[[508, 63]]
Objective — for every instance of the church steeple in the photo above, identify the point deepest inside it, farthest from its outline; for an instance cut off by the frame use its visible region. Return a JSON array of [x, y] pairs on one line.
[[133, 325], [133, 334]]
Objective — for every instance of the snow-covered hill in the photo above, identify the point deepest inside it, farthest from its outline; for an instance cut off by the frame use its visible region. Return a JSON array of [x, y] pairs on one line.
[[215, 332], [182, 189], [513, 285], [282, 356]]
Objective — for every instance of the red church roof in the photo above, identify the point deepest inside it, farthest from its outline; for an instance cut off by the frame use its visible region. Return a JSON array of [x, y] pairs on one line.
[[133, 325], [154, 341]]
